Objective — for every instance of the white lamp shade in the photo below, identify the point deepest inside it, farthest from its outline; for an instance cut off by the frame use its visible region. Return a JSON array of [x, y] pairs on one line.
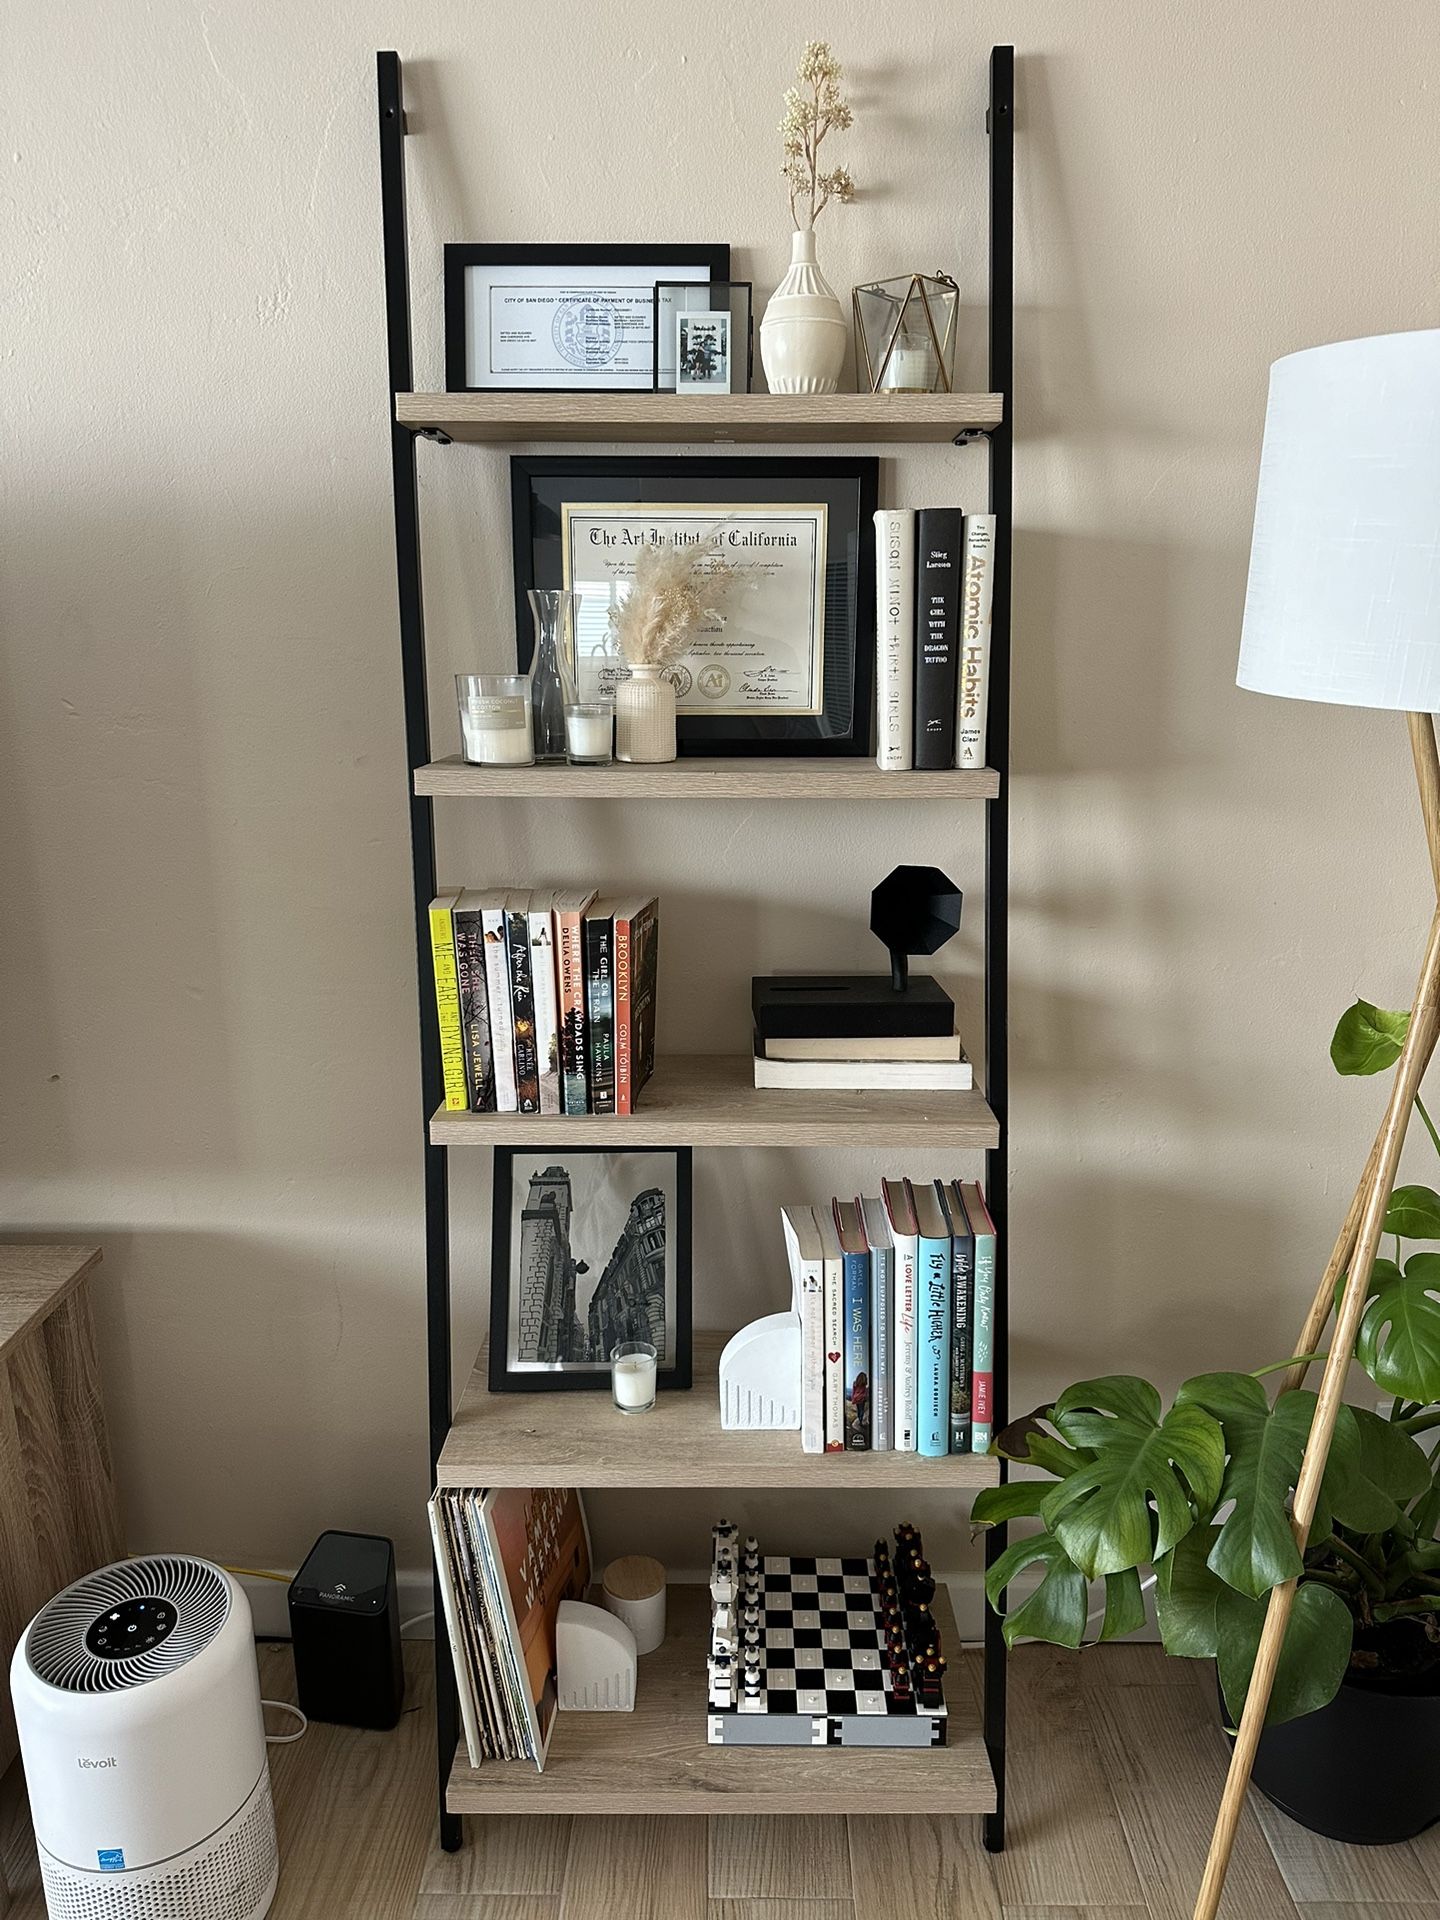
[[1344, 596]]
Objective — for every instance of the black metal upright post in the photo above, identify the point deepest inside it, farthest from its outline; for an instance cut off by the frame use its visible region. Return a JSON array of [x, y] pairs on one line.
[[422, 847], [1001, 124]]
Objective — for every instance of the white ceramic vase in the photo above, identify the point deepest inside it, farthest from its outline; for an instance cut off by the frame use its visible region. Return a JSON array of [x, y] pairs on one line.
[[803, 334], [645, 716]]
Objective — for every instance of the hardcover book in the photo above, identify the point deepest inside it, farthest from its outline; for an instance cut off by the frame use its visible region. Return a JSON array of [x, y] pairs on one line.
[[447, 1000], [599, 936], [501, 1003], [834, 1323], [962, 1313], [977, 588], [474, 1002], [855, 1278], [545, 986], [637, 935], [982, 1378], [900, 1212], [882, 1324], [833, 1047], [895, 637], [522, 1002], [806, 1254], [867, 1076], [932, 1436], [937, 624], [569, 909]]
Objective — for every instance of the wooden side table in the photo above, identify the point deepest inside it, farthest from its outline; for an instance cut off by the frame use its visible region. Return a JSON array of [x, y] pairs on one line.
[[59, 1517]]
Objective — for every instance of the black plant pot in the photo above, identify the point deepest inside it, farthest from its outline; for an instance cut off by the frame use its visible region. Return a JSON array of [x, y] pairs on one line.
[[1365, 1769]]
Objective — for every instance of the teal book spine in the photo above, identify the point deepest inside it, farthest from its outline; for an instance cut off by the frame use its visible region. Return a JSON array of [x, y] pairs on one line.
[[933, 1348], [856, 1284]]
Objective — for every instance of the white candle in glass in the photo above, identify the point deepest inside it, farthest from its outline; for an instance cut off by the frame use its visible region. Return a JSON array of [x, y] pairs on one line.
[[495, 719], [632, 1375], [908, 370], [589, 730]]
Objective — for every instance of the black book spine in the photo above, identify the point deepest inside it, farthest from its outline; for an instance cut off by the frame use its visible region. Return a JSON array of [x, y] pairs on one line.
[[600, 1009], [937, 638], [474, 1010], [522, 997]]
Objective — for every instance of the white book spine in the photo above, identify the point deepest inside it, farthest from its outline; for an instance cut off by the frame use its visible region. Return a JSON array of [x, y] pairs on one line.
[[834, 1322], [903, 1348], [502, 1010], [545, 986], [807, 1281], [895, 637], [977, 587]]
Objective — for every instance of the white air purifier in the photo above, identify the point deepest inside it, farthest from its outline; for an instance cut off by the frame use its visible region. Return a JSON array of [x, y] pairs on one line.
[[137, 1700]]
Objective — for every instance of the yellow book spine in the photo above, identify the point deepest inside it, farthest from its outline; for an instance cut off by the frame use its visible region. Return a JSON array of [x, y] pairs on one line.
[[447, 1005]]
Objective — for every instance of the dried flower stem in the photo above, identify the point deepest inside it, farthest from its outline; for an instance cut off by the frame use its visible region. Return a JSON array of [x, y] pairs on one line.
[[676, 590], [813, 109]]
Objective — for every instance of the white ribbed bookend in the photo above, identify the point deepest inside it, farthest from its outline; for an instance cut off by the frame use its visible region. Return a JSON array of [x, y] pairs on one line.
[[594, 1660]]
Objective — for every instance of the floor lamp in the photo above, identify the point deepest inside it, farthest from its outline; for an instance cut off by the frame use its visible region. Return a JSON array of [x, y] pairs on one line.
[[1343, 606]]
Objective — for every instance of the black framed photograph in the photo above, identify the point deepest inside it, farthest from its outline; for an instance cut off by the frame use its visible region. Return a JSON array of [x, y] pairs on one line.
[[589, 1246], [523, 319], [719, 317], [788, 666]]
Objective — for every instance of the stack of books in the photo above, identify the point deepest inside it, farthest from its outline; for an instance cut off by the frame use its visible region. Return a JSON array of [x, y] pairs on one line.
[[896, 1300], [934, 579], [850, 1034], [546, 1000], [505, 1559]]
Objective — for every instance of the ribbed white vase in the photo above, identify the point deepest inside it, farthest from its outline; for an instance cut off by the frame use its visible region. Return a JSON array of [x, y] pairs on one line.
[[803, 335], [645, 716]]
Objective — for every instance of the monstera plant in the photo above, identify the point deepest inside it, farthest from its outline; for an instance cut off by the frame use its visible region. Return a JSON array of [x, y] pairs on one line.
[[1198, 1492]]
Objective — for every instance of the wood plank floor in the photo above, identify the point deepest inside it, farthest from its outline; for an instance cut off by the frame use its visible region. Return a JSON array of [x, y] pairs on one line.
[[1115, 1770]]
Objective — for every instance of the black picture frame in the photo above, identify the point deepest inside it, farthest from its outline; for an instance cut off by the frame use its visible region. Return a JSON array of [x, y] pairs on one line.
[[851, 488], [461, 255], [513, 1373]]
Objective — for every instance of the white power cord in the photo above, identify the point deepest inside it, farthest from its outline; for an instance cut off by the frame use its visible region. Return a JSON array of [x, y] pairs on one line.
[[285, 1739]]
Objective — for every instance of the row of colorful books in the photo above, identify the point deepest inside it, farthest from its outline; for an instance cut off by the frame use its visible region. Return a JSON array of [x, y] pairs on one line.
[[934, 580], [546, 1000], [896, 1299]]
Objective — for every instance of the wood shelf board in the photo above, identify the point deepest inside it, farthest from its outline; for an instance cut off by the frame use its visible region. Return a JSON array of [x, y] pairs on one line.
[[657, 1760], [744, 778], [710, 1099], [578, 1439], [704, 419], [33, 1282]]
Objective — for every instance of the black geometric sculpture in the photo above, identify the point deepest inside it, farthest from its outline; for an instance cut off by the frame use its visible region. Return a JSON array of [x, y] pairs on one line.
[[914, 910]]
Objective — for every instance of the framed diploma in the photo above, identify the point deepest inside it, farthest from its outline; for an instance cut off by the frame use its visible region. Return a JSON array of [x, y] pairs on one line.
[[522, 319], [787, 667]]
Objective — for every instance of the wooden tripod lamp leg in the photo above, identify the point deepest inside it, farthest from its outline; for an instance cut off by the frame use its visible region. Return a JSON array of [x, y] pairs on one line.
[[1367, 1212]]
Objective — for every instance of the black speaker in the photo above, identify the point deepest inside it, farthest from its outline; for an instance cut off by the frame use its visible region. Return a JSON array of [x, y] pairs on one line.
[[345, 1625]]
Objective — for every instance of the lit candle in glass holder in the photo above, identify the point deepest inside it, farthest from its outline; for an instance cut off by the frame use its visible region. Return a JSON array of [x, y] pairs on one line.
[[632, 1375]]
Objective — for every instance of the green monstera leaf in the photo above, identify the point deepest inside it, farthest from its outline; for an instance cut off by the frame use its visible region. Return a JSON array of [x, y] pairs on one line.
[[1102, 1511], [1056, 1611], [1414, 1213], [1312, 1661], [1368, 1039], [1030, 1443], [1255, 1547], [1016, 1500], [1399, 1343], [1186, 1595]]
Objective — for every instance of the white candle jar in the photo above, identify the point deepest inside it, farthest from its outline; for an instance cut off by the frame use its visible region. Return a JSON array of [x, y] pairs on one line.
[[632, 1376], [495, 719], [589, 733]]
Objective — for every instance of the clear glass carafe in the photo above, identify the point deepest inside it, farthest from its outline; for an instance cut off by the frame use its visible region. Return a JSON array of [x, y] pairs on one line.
[[552, 669]]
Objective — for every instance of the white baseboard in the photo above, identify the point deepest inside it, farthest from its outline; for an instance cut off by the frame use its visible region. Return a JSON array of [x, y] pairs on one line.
[[271, 1611]]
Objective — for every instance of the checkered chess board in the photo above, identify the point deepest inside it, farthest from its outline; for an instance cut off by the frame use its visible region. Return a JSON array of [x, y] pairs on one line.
[[824, 1676]]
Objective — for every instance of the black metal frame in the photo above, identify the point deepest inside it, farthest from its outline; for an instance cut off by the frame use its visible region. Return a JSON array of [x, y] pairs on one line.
[[842, 726], [1000, 123], [677, 1378]]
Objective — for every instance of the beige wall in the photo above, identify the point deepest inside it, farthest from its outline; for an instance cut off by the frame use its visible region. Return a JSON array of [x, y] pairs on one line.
[[209, 1048]]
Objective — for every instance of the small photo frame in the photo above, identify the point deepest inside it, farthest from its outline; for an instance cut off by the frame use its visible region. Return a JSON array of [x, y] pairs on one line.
[[702, 352], [706, 315], [589, 1246]]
